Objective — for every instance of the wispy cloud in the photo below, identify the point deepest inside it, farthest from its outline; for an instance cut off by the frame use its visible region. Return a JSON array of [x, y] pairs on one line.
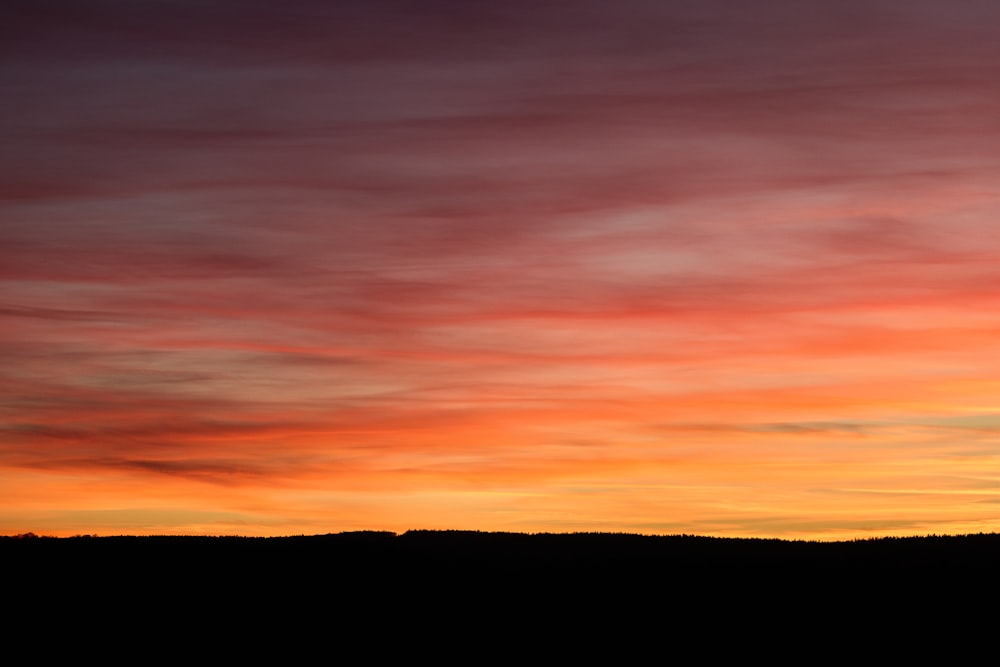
[[368, 263]]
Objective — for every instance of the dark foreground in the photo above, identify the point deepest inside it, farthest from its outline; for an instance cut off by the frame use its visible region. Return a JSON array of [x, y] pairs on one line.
[[453, 557], [570, 590]]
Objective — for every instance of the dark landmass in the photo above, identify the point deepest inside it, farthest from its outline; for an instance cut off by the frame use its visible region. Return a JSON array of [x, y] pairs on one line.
[[517, 551], [467, 594], [453, 557], [514, 548]]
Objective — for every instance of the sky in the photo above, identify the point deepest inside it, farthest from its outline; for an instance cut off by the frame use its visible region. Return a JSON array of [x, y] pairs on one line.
[[718, 267]]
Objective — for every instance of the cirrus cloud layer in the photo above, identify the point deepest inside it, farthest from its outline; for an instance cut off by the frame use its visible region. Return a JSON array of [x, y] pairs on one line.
[[711, 267]]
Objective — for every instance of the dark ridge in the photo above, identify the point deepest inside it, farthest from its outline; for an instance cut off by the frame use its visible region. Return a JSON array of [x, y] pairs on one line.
[[469, 538], [440, 592], [519, 551]]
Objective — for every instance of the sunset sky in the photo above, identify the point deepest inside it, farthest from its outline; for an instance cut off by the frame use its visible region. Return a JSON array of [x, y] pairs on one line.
[[713, 267]]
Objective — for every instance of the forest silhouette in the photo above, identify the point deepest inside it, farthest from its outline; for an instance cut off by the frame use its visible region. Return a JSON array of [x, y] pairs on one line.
[[462, 593], [454, 559]]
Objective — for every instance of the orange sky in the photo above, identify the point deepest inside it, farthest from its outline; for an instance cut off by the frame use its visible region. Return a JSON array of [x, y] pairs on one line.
[[305, 267]]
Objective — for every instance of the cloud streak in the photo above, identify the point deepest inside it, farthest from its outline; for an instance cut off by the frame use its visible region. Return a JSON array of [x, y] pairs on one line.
[[528, 266]]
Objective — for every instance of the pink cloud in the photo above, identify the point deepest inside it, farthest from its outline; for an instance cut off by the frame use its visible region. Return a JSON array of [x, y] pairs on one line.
[[432, 258]]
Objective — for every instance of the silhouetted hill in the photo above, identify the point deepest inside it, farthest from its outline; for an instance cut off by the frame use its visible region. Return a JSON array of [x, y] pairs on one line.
[[550, 596], [489, 555]]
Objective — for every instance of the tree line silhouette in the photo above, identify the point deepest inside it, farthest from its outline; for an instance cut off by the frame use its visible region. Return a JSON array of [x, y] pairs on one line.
[[448, 590], [453, 553]]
